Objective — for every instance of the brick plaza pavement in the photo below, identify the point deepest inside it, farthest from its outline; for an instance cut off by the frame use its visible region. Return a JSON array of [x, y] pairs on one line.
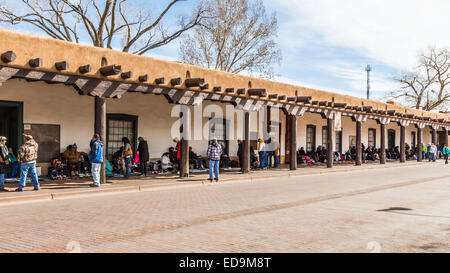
[[388, 210]]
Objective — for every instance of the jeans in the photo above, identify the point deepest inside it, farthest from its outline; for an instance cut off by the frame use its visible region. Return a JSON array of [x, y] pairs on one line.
[[2, 181], [213, 166], [127, 167], [269, 159], [432, 156], [96, 168], [446, 159], [277, 161], [24, 168], [13, 173], [262, 157]]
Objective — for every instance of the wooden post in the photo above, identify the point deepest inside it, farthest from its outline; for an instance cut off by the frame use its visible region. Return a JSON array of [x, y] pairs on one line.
[[358, 143], [433, 136], [330, 131], [293, 142], [419, 145], [184, 145], [246, 144], [100, 128], [383, 144], [445, 137], [402, 144]]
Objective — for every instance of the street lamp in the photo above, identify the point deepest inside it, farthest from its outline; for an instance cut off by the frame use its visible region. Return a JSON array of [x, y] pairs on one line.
[[368, 69]]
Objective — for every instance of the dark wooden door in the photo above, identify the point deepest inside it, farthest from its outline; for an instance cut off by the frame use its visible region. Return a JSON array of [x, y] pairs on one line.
[[391, 139]]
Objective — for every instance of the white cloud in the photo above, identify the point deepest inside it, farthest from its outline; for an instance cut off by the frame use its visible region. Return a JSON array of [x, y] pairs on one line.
[[393, 32]]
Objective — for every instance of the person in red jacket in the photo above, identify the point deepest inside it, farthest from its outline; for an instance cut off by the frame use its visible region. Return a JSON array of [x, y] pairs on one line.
[[178, 147]]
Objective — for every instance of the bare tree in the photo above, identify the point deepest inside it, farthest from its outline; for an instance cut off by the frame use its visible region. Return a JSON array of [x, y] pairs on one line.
[[106, 23], [236, 36], [427, 87]]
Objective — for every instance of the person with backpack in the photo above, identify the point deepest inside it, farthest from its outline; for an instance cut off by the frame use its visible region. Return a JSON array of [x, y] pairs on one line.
[[96, 159], [214, 152], [127, 155], [28, 154], [446, 153]]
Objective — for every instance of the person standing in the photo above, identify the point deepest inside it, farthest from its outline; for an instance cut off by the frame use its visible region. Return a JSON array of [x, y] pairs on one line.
[[13, 161], [446, 153], [433, 151], [424, 151], [276, 154], [28, 154], [144, 155], [4, 161], [262, 153], [240, 154], [96, 159], [127, 155], [214, 152]]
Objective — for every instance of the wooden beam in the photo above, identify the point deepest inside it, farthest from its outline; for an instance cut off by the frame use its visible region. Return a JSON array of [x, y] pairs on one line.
[[160, 80], [383, 143], [196, 82], [241, 91], [63, 65], [293, 142], [257, 92], [100, 128], [304, 99], [340, 105], [402, 144], [35, 62], [330, 150], [434, 135], [126, 75], [358, 144], [246, 144], [292, 99], [84, 69], [176, 81], [143, 78], [111, 70], [8, 57], [419, 145]]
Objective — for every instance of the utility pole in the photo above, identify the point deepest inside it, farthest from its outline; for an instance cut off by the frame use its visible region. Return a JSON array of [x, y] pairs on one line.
[[368, 69]]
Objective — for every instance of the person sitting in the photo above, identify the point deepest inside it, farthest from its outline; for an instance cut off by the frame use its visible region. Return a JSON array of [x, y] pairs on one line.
[[72, 157], [15, 164], [196, 160], [166, 164]]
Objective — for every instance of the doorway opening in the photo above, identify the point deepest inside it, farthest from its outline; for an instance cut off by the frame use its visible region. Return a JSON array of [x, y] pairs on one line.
[[11, 123]]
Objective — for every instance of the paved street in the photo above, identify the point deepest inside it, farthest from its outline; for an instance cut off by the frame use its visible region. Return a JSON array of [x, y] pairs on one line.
[[383, 210]]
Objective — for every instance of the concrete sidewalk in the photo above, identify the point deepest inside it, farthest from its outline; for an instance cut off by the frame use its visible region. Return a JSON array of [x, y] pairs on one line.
[[80, 188]]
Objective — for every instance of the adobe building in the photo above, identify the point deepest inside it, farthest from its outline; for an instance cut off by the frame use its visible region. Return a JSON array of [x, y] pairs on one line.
[[63, 92]]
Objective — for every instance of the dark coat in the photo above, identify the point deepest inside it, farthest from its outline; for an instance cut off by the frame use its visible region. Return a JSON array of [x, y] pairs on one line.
[[143, 151]]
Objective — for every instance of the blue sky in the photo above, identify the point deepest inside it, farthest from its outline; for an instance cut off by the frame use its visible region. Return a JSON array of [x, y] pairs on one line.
[[326, 44]]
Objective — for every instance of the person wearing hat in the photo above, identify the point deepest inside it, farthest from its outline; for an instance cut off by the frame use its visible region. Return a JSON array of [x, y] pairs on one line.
[[28, 154], [214, 152], [4, 160]]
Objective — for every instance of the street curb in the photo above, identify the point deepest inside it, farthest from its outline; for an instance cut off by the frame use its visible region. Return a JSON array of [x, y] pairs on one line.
[[174, 185]]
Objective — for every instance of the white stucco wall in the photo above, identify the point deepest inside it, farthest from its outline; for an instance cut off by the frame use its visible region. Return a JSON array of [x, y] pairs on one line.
[[59, 104]]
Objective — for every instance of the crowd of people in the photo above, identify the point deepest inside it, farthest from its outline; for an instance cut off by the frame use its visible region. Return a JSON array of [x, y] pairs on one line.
[[266, 155]]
